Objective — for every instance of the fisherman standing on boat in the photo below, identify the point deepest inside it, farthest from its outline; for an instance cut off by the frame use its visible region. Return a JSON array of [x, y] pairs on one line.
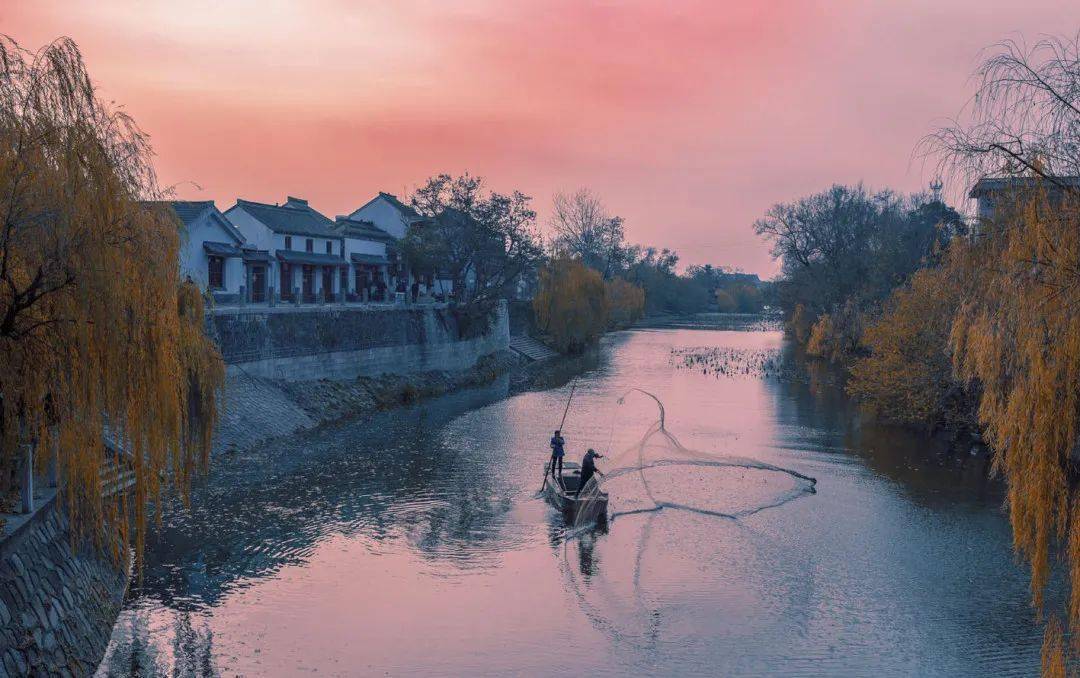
[[558, 450], [588, 469]]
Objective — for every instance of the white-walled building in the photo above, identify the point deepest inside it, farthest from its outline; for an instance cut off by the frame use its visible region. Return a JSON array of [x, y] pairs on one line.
[[306, 254], [387, 213], [210, 247], [372, 258]]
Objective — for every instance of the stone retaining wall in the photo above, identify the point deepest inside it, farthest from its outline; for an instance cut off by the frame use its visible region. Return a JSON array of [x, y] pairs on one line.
[[345, 342], [57, 602]]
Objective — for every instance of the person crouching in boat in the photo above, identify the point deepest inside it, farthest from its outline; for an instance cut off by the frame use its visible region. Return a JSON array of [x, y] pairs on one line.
[[588, 469], [558, 451]]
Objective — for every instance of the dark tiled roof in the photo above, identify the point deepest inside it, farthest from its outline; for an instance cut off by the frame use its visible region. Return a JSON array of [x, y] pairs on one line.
[[255, 255], [294, 218], [402, 207], [220, 249], [358, 228], [291, 257], [188, 211], [996, 184], [368, 258]]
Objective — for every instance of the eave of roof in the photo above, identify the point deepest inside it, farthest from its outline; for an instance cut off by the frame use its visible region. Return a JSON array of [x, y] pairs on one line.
[[360, 229], [220, 249], [255, 255], [993, 184], [313, 258], [358, 258], [190, 211]]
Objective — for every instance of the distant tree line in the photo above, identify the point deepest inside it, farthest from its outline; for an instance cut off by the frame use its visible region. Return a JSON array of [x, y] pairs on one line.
[[488, 245]]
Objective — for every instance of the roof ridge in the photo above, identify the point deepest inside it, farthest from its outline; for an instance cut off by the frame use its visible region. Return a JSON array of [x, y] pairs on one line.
[[264, 204]]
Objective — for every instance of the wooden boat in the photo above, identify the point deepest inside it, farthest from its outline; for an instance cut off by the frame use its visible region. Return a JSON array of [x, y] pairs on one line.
[[561, 495]]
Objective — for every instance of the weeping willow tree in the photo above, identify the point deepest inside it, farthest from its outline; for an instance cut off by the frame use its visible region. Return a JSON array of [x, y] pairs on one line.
[[571, 304], [98, 337], [1016, 335]]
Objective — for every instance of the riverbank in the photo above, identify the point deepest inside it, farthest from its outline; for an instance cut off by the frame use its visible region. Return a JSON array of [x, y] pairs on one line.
[[254, 410]]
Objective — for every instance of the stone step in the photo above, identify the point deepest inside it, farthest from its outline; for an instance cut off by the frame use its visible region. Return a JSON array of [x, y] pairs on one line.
[[531, 348], [113, 478]]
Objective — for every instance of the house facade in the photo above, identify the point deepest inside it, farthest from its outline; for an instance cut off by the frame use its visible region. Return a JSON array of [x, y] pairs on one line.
[[389, 214], [305, 254], [372, 258], [211, 248]]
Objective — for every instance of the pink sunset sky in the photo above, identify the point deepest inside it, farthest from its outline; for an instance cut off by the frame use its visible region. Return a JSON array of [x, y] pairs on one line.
[[689, 119]]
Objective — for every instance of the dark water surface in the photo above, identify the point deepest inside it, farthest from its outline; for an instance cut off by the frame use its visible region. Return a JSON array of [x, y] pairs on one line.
[[414, 543]]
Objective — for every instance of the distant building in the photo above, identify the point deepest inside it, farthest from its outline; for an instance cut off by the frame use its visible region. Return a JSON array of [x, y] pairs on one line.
[[387, 213], [306, 254], [211, 248], [989, 192]]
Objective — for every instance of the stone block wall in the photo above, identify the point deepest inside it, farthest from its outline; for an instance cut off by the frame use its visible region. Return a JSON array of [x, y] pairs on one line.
[[57, 601], [340, 342]]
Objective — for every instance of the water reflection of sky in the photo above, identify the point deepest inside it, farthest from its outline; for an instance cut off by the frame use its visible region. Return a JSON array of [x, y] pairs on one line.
[[414, 542]]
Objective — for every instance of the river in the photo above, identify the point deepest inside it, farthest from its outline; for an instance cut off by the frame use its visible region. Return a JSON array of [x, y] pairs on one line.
[[413, 542]]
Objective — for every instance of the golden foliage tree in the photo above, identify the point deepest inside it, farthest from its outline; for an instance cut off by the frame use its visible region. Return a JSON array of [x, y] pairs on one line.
[[625, 302], [837, 336], [571, 304], [800, 324], [1016, 335], [907, 376], [97, 334]]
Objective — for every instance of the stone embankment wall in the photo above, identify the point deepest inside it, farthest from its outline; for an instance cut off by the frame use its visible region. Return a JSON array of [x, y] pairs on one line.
[[57, 601], [343, 342]]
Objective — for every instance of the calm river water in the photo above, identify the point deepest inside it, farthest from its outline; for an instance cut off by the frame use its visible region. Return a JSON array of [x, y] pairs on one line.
[[414, 542]]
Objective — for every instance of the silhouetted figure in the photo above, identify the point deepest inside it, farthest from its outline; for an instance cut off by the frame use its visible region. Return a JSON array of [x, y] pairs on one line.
[[558, 451], [588, 469]]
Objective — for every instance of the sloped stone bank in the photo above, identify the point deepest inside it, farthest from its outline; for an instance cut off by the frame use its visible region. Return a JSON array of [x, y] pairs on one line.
[[57, 601]]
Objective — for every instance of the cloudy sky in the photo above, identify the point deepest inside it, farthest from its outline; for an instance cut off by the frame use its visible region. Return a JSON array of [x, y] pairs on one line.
[[689, 119]]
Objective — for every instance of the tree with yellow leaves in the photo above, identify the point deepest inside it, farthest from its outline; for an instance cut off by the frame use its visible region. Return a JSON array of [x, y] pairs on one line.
[[906, 377], [1016, 334], [571, 304], [625, 302], [98, 337]]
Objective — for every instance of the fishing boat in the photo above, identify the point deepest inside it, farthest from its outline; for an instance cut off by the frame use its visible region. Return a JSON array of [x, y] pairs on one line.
[[561, 494]]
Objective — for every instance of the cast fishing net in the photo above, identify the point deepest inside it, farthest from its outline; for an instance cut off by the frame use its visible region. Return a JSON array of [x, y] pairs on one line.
[[674, 550], [657, 472]]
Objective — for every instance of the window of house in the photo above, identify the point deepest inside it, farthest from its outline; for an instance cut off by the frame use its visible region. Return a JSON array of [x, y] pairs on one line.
[[310, 245], [217, 273], [329, 247], [288, 242]]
